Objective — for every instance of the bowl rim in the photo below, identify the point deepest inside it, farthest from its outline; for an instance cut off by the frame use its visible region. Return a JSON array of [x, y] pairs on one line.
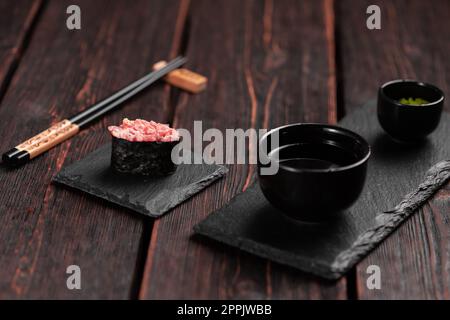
[[336, 129], [415, 82]]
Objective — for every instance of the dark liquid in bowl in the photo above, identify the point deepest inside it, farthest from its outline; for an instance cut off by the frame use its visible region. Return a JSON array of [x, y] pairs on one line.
[[313, 156], [308, 163]]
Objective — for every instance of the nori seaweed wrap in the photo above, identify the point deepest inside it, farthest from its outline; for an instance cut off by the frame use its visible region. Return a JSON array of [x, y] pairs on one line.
[[143, 148], [143, 158]]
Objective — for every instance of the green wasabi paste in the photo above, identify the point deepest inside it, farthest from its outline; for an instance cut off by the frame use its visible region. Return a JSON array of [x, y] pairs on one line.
[[413, 101]]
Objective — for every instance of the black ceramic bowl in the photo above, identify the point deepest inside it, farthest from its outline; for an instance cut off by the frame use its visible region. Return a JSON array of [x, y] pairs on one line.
[[321, 169], [409, 123]]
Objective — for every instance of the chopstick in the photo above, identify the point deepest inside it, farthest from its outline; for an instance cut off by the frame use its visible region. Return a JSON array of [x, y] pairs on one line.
[[69, 127]]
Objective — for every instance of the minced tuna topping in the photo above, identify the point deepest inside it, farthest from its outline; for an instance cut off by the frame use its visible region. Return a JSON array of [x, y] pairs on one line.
[[144, 131]]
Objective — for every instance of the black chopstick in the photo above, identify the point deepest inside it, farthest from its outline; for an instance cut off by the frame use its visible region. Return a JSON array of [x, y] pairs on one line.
[[71, 126], [142, 83]]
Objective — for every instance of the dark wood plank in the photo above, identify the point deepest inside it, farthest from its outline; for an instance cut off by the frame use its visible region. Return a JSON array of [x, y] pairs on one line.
[[44, 227], [268, 63], [15, 26], [413, 43]]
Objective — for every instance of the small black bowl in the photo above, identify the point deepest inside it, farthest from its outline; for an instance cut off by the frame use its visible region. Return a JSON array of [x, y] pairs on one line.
[[409, 123], [321, 169]]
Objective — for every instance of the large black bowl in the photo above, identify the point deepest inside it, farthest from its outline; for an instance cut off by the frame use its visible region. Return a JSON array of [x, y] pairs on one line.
[[321, 169], [409, 123]]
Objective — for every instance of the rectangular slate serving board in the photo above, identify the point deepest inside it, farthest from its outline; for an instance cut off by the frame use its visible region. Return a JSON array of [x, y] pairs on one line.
[[149, 196], [400, 179]]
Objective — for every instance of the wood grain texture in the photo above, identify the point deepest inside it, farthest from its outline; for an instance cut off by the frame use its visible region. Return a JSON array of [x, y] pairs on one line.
[[45, 228], [267, 64], [413, 43], [15, 25]]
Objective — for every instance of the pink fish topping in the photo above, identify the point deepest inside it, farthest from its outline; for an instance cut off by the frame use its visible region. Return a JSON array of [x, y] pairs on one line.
[[144, 131]]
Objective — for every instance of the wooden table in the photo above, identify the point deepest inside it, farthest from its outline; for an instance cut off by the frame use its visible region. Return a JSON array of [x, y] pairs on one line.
[[269, 63]]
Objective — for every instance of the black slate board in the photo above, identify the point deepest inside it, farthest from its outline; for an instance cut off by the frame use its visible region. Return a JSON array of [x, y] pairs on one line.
[[150, 196], [399, 179]]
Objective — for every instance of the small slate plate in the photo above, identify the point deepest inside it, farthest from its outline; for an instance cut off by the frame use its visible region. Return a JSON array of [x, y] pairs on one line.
[[399, 179], [149, 196]]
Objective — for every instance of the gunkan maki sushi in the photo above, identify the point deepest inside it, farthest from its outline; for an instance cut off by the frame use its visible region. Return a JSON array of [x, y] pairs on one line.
[[143, 147]]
